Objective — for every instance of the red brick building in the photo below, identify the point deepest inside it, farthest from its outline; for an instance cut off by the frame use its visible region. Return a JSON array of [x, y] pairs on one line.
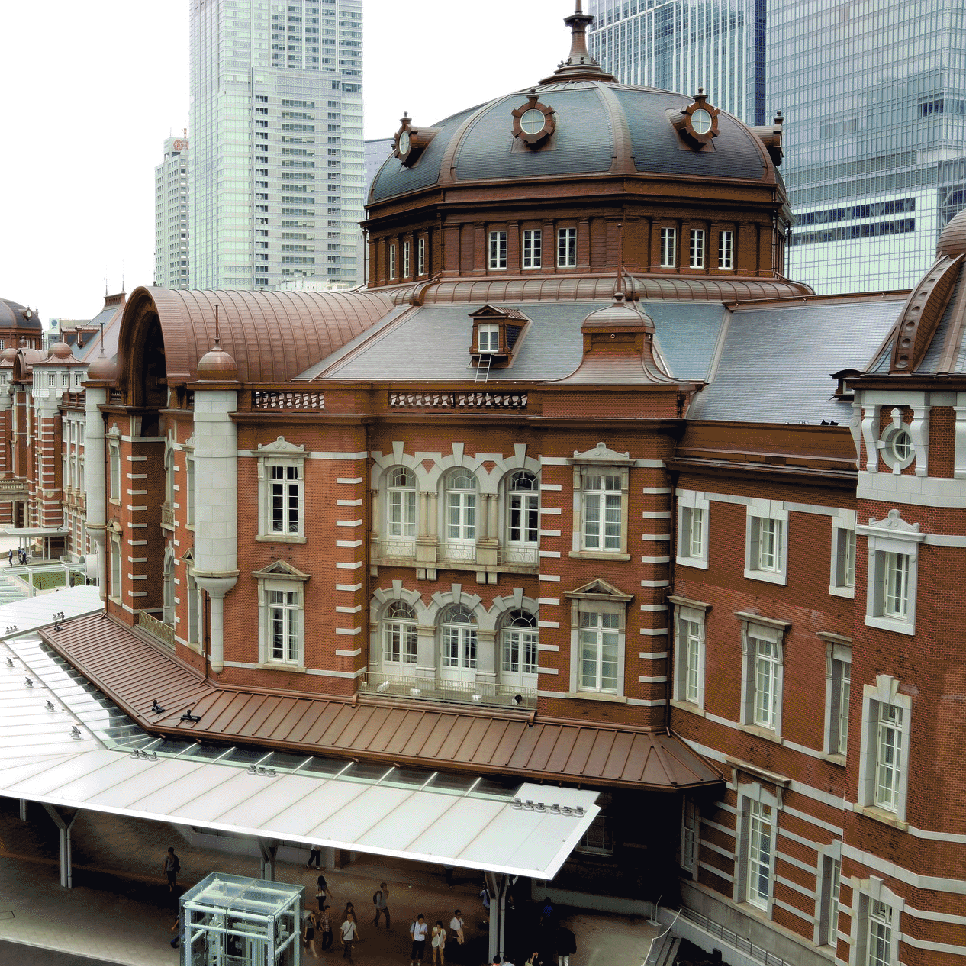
[[580, 490]]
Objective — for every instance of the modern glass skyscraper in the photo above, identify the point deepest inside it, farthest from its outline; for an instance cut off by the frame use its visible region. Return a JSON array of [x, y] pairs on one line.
[[277, 169], [681, 45], [873, 93], [874, 96], [171, 215]]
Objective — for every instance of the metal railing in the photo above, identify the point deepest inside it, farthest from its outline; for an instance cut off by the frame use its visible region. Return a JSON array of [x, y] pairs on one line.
[[729, 936], [483, 693]]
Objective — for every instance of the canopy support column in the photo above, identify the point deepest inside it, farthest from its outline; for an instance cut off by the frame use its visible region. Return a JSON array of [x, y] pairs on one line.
[[64, 826], [497, 884], [268, 849], [23, 809]]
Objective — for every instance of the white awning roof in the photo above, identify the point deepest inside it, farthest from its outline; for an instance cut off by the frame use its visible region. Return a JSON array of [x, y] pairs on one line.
[[33, 531], [530, 832]]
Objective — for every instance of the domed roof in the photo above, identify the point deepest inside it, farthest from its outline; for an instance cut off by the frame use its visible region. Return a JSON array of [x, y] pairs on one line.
[[216, 365], [13, 315], [61, 351], [594, 126], [102, 369], [952, 241]]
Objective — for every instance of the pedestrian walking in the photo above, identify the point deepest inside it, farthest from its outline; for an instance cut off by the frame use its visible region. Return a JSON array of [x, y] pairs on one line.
[[171, 867], [439, 944], [10, 556], [308, 936], [322, 893], [350, 935], [325, 928], [380, 900], [566, 945], [418, 931], [315, 857], [534, 959], [456, 927], [485, 899]]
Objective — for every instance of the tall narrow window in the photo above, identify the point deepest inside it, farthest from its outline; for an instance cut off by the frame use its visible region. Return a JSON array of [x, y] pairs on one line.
[[401, 503], [497, 250], [189, 496], [839, 665], [828, 917], [421, 256], [399, 634], [114, 452], [879, 942], [519, 639], [669, 241], [895, 585], [759, 853], [697, 248], [689, 835], [602, 512], [286, 498], [405, 259], [762, 653], [726, 250], [599, 651], [461, 515], [693, 523], [766, 683], [531, 247], [523, 517], [487, 337], [392, 261], [194, 608], [888, 757], [284, 614], [458, 631], [566, 248]]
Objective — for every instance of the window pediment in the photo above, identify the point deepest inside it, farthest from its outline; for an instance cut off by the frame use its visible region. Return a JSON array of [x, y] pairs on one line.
[[601, 454], [598, 589], [280, 570], [280, 447]]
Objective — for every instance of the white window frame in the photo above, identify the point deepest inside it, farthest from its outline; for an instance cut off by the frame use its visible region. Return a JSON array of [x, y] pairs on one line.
[[117, 568], [828, 895], [193, 594], [588, 468], [392, 262], [460, 506], [893, 550], [488, 337], [497, 249], [600, 634], [896, 444], [114, 470], [884, 766], [842, 571], [697, 237], [566, 248], [288, 459], [690, 835], [400, 638], [876, 917], [520, 644], [532, 250], [406, 250], [726, 250], [838, 679], [756, 852], [459, 645], [669, 245], [766, 542], [401, 505], [690, 647], [420, 256], [604, 600], [189, 489], [293, 615], [762, 673], [694, 516], [523, 514]]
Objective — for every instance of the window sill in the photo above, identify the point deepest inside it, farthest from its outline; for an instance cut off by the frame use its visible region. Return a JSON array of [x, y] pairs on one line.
[[700, 563], [596, 696], [890, 624], [835, 759], [766, 576], [191, 645], [273, 666], [689, 707], [848, 592], [881, 815], [768, 734], [598, 555], [280, 538]]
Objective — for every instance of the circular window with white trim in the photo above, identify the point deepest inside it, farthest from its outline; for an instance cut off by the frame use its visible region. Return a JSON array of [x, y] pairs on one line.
[[898, 450]]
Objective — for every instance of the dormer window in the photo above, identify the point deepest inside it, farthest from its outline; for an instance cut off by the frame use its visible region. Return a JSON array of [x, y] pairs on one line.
[[496, 333]]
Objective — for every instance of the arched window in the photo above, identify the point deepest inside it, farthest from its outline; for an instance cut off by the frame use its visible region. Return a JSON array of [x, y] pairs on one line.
[[460, 524], [168, 591], [399, 633], [458, 638], [518, 638], [400, 530], [523, 518]]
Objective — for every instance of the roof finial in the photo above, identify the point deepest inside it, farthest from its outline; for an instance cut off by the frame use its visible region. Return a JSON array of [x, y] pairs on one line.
[[579, 65], [217, 334]]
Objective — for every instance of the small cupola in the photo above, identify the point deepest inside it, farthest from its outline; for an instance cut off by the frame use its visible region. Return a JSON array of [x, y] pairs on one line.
[[410, 142], [496, 336], [697, 124]]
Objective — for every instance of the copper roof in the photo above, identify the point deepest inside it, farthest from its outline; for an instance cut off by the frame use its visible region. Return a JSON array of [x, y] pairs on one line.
[[272, 336], [134, 672]]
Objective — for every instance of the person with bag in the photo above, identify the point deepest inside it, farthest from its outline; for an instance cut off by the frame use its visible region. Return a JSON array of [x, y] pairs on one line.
[[171, 866], [308, 935], [380, 900], [322, 893], [350, 935], [418, 931], [325, 927]]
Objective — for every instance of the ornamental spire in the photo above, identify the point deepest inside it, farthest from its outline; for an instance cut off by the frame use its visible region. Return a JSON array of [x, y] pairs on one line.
[[579, 65]]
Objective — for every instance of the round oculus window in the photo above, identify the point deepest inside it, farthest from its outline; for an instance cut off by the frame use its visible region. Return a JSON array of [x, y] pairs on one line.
[[700, 121], [898, 449], [901, 445], [532, 121], [404, 143]]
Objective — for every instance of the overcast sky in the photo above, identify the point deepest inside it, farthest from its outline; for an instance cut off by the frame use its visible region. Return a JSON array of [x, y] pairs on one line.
[[91, 90]]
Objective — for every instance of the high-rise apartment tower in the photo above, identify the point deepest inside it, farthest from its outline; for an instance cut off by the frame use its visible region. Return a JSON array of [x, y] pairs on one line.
[[171, 215], [873, 94], [276, 173]]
